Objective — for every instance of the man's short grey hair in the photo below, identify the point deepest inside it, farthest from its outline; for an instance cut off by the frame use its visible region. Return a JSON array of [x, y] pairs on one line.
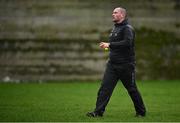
[[123, 10]]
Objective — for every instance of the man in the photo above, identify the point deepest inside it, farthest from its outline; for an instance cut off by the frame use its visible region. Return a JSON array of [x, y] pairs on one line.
[[121, 65]]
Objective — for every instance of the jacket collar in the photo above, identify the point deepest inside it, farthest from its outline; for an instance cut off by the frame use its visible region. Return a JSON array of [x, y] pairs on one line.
[[124, 22]]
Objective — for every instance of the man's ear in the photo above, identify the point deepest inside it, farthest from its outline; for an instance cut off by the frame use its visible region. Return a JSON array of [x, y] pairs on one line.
[[122, 15]]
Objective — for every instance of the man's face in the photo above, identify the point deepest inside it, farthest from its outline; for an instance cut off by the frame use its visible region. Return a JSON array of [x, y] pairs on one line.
[[117, 15]]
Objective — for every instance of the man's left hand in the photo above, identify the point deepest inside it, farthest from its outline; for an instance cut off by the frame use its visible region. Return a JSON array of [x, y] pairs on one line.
[[104, 45]]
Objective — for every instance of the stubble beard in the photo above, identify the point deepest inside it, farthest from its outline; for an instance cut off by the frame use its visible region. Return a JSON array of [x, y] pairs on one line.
[[114, 20]]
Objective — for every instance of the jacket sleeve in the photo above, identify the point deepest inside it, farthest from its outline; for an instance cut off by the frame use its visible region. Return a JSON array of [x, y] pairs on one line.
[[127, 41]]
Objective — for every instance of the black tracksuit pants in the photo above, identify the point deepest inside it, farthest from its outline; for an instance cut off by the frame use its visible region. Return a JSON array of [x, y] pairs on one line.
[[113, 73]]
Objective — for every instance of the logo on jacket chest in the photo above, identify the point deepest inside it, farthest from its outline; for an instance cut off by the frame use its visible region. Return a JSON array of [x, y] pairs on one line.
[[113, 34]]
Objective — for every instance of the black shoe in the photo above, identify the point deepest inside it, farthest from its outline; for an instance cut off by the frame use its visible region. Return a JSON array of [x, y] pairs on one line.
[[94, 114], [140, 115]]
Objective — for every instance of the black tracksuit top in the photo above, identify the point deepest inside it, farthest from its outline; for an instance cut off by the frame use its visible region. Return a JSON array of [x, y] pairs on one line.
[[121, 41]]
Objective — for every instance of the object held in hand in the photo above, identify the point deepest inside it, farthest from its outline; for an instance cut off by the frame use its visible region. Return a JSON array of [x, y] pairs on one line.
[[106, 49]]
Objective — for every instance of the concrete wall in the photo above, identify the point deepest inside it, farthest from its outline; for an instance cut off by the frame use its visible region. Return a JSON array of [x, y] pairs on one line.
[[44, 40]]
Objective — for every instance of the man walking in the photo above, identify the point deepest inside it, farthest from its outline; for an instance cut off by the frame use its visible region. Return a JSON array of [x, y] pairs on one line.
[[121, 65]]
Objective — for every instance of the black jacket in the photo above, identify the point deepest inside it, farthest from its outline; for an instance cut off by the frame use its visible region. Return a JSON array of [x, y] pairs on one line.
[[122, 43]]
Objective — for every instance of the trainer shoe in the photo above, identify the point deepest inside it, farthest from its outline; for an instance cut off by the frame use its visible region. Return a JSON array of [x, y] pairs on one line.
[[140, 115], [94, 114]]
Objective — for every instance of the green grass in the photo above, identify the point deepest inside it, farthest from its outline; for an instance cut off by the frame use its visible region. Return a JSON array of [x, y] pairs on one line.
[[70, 101]]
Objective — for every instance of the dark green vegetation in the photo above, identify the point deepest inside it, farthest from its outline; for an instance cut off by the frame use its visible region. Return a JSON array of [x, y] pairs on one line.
[[158, 54], [70, 102]]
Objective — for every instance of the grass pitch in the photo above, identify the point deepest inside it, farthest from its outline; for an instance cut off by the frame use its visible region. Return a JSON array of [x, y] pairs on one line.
[[70, 101]]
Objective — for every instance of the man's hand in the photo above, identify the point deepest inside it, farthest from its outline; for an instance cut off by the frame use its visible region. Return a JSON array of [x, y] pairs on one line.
[[104, 45]]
